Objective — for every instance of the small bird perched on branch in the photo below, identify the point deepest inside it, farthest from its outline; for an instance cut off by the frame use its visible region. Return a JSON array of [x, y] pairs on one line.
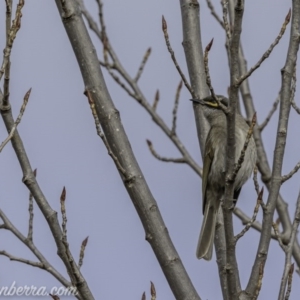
[[214, 160]]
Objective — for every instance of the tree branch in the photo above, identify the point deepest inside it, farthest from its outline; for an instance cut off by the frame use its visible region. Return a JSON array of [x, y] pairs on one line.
[[288, 266], [137, 188], [234, 286], [275, 181], [192, 46]]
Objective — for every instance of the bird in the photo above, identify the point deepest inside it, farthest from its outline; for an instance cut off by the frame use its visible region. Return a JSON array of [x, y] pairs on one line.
[[214, 160]]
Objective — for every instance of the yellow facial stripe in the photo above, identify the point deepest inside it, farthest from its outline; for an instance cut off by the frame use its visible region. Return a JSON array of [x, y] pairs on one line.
[[212, 104]]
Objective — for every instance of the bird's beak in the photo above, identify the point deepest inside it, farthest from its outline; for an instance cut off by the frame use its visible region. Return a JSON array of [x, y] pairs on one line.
[[200, 101]]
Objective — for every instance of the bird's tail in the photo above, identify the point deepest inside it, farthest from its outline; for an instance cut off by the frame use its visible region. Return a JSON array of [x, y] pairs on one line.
[[207, 233]]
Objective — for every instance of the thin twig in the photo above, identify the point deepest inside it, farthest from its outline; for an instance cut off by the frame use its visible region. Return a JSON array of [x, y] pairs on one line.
[[243, 152], [142, 65], [213, 12], [288, 267], [152, 291], [7, 67], [246, 219], [54, 297], [16, 25], [173, 130], [101, 18], [82, 249], [18, 120], [268, 52], [121, 84], [64, 215], [208, 80], [165, 31], [11, 257], [256, 185], [206, 68], [101, 134], [31, 215], [275, 227], [165, 159], [249, 224], [284, 178], [270, 114], [44, 264], [225, 19], [156, 100]]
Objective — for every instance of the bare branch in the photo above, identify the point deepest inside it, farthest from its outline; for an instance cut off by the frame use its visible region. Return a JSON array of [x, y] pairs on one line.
[[256, 185], [192, 45], [142, 66], [165, 159], [152, 291], [101, 134], [270, 114], [63, 213], [144, 296], [54, 297], [121, 84], [17, 122], [16, 25], [156, 100], [43, 263], [260, 278], [213, 12], [225, 19], [275, 182], [108, 117], [35, 264], [233, 279], [173, 130], [7, 67], [290, 280], [284, 178], [288, 266], [243, 152], [208, 81], [165, 31], [275, 227], [31, 215], [249, 224], [140, 98], [246, 219], [82, 249], [50, 215], [268, 52]]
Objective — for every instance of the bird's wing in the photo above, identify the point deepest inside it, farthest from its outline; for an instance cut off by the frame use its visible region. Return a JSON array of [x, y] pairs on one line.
[[208, 158]]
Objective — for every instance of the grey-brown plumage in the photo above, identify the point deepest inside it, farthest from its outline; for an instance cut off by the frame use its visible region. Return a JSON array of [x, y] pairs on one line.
[[213, 180]]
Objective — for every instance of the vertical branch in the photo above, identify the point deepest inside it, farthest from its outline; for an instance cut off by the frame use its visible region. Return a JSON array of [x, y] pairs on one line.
[[31, 215], [176, 102], [288, 252], [155, 230], [192, 45], [234, 285], [64, 215], [7, 67], [275, 181]]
